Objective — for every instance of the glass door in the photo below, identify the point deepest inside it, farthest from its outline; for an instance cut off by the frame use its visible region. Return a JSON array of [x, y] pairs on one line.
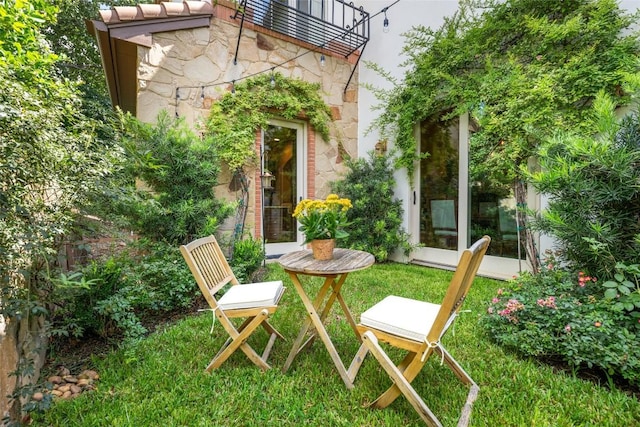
[[457, 203], [283, 146], [310, 32], [292, 17], [438, 189], [493, 212]]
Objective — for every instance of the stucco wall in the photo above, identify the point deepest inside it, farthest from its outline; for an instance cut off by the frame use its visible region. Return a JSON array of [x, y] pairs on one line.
[[183, 65]]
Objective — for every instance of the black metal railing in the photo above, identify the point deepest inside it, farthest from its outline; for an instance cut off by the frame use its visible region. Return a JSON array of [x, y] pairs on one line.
[[334, 25]]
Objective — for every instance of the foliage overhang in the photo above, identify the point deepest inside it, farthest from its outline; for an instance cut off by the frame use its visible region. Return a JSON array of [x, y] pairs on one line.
[[237, 115], [521, 68]]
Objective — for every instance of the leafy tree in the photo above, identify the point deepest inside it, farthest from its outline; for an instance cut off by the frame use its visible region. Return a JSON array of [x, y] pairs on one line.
[[80, 58], [521, 68], [80, 63], [50, 162]]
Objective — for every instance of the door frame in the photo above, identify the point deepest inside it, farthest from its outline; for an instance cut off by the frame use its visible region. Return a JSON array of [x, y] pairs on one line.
[[492, 266], [273, 249]]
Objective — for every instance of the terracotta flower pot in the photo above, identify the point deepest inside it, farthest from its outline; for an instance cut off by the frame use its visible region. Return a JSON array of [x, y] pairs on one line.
[[323, 249]]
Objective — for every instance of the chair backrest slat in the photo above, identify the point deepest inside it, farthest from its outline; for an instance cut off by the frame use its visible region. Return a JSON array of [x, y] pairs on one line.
[[209, 267], [458, 287]]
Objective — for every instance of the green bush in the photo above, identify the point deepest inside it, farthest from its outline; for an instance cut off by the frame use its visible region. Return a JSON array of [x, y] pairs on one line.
[[248, 254], [593, 184], [148, 278], [375, 220], [561, 315], [594, 216], [181, 171], [75, 296], [113, 296]]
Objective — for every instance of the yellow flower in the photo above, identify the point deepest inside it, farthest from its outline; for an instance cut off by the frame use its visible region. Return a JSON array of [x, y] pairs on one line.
[[323, 219]]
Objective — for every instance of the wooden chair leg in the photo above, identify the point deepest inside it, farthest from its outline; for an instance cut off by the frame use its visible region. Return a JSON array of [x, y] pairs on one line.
[[356, 363], [271, 330], [465, 415], [455, 367], [239, 342], [394, 391], [400, 381]]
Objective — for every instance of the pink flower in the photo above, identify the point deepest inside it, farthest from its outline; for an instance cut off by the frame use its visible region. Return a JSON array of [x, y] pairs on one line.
[[549, 266], [548, 302], [495, 300], [582, 279], [514, 304], [490, 310], [567, 328]]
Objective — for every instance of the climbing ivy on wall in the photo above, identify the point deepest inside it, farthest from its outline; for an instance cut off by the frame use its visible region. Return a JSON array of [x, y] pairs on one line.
[[522, 69], [237, 115]]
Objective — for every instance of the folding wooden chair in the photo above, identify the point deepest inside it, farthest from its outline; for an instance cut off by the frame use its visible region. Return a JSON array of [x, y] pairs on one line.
[[255, 301], [417, 327]]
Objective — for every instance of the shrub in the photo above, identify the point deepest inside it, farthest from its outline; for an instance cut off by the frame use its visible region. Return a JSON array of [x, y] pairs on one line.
[[593, 184], [248, 254], [560, 314], [147, 278], [181, 170], [376, 216], [111, 297]]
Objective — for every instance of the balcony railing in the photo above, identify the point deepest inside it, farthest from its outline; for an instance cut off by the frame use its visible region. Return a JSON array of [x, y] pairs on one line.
[[335, 25]]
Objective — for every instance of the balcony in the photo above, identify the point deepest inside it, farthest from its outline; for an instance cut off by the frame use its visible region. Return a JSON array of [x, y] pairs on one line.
[[334, 25]]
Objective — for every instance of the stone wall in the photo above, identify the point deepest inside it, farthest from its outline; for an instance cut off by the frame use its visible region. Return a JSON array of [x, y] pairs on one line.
[[185, 71], [8, 362], [26, 339]]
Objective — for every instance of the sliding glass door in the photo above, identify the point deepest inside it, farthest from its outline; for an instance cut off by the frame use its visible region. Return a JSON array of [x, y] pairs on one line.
[[457, 202]]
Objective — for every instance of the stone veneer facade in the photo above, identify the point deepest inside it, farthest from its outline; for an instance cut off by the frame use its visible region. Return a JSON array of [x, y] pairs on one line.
[[182, 65]]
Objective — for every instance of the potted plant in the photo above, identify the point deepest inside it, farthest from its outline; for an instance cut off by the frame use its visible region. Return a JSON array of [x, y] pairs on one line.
[[322, 222]]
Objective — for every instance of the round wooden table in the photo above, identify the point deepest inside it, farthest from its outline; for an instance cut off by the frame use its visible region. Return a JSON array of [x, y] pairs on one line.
[[335, 272]]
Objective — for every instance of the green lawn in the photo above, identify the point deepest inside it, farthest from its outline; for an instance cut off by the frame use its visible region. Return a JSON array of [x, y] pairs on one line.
[[161, 381]]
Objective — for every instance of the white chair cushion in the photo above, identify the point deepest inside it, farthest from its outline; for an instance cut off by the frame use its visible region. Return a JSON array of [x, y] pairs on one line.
[[400, 316], [252, 295]]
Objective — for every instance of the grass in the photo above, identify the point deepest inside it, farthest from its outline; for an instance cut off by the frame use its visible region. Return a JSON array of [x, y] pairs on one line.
[[161, 380]]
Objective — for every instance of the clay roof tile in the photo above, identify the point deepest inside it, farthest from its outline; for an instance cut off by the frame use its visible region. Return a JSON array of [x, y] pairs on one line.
[[151, 11], [128, 13], [109, 16], [199, 7], [175, 9]]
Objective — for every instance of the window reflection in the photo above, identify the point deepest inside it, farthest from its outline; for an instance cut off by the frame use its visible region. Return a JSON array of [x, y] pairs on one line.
[[493, 212], [439, 183], [280, 196]]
